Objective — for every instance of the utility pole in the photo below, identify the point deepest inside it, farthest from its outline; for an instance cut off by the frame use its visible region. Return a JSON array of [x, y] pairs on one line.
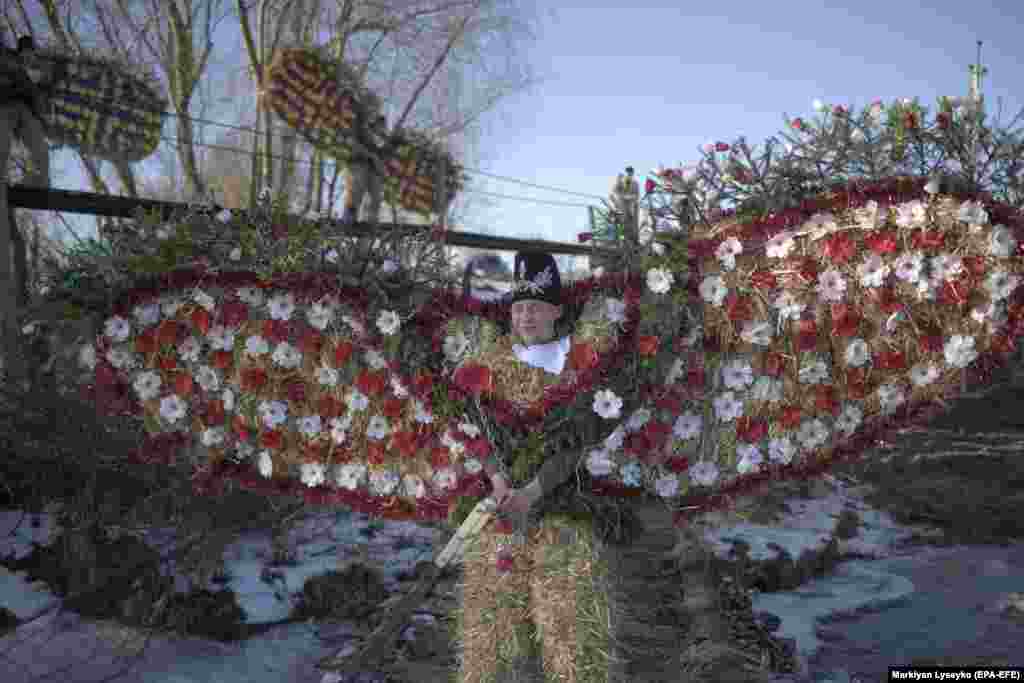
[[976, 107]]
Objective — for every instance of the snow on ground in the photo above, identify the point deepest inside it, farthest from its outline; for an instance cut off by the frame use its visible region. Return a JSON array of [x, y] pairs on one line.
[[327, 540]]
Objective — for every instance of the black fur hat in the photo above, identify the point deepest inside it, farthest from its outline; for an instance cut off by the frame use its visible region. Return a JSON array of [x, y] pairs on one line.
[[536, 277]]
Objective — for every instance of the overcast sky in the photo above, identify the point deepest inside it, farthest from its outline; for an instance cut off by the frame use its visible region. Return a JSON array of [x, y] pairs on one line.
[[648, 83]]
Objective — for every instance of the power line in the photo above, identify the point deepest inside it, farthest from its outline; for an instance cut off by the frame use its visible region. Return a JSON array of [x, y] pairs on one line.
[[310, 163]]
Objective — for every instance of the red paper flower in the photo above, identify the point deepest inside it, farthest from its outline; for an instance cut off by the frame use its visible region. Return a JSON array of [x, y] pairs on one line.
[[234, 313], [808, 269], [952, 294], [890, 360], [886, 299], [845, 320], [423, 382], [404, 442], [201, 320], [773, 363], [790, 417], [928, 239], [648, 345], [721, 147], [393, 408], [167, 363], [272, 439], [375, 453], [253, 379], [214, 412], [825, 400], [168, 332], [479, 447], [797, 123], [342, 353], [930, 343], [910, 120], [656, 432], [582, 356], [296, 391], [503, 526], [807, 335], [751, 430], [474, 379], [183, 384], [649, 186], [738, 307], [241, 427], [1002, 343], [146, 342], [669, 403], [856, 385], [975, 265], [222, 359], [310, 342], [840, 248], [881, 242], [678, 464], [371, 383], [764, 280], [439, 457], [695, 378], [330, 407], [275, 331], [504, 562]]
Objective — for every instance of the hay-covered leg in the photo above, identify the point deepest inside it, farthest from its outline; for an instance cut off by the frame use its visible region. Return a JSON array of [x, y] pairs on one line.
[[492, 625], [568, 603]]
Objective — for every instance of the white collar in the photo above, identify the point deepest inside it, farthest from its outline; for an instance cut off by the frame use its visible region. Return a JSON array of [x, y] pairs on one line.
[[549, 356]]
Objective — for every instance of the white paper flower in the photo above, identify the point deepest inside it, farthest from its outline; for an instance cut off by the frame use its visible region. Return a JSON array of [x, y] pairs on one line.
[[780, 245], [378, 428], [973, 213], [788, 306], [212, 436], [331, 256], [959, 351], [750, 458], [452, 444], [388, 322], [923, 374], [172, 408], [615, 310], [631, 474], [374, 359], [189, 349], [912, 214], [812, 433], [687, 426], [695, 334], [228, 398], [667, 486], [767, 389], [87, 356], [287, 356], [208, 378], [927, 289], [413, 486], [147, 385], [614, 441], [117, 328], [120, 359], [357, 401], [310, 426], [266, 465], [281, 306], [320, 315], [815, 372], [907, 266], [472, 465], [890, 396], [713, 290], [454, 346], [252, 296], [727, 407], [737, 374], [857, 353], [781, 450], [1000, 284], [384, 482], [946, 267], [204, 300], [356, 326], [339, 429], [221, 338], [607, 404], [256, 346], [727, 252], [469, 429], [638, 419], [326, 376], [849, 419], [350, 476], [821, 223], [757, 332], [1001, 243], [444, 478], [147, 315], [599, 464], [659, 280], [676, 371], [704, 473], [312, 473], [872, 271], [831, 285], [273, 413], [398, 389], [236, 254]]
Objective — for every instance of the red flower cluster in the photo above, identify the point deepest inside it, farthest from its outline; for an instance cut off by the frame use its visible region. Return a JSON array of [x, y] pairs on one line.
[[751, 430], [474, 379], [840, 248], [881, 242]]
